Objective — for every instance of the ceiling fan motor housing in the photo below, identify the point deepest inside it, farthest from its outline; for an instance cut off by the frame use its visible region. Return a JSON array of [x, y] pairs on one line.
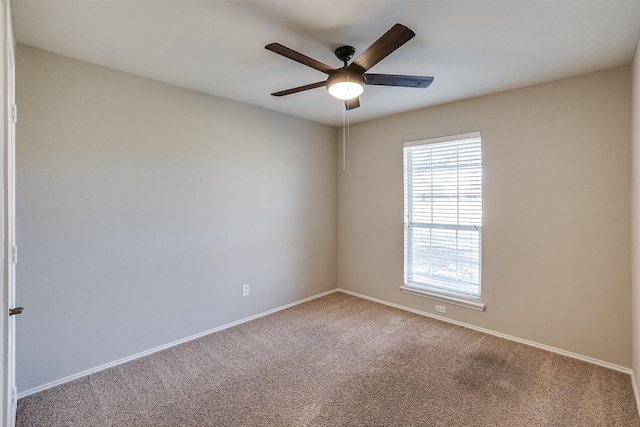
[[345, 53]]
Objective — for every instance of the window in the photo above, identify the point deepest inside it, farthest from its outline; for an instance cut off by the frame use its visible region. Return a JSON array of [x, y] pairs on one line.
[[443, 219]]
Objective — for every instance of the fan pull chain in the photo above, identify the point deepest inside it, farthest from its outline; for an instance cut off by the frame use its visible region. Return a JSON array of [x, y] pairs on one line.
[[345, 137], [346, 150]]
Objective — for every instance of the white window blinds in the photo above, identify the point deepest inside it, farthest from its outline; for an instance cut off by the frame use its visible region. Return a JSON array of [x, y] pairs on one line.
[[443, 215]]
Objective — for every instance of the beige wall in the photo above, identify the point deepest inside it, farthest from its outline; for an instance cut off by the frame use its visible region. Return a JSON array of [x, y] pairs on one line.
[[556, 230], [143, 208]]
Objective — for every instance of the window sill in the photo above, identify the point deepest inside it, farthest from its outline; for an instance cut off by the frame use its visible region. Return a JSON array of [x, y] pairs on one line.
[[473, 305]]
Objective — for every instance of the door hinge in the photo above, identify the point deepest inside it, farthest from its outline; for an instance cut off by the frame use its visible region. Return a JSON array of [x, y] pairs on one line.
[[14, 254], [14, 113], [14, 396]]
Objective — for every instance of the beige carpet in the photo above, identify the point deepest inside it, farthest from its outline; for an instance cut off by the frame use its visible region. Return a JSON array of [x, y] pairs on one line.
[[342, 361]]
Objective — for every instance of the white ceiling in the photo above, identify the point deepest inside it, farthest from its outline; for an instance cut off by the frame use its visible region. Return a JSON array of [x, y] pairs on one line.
[[471, 47]]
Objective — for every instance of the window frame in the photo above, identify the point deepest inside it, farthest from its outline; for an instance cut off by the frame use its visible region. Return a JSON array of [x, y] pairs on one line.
[[433, 292]]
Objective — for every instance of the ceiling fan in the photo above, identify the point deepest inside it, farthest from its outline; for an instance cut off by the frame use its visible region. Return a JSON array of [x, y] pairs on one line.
[[348, 82]]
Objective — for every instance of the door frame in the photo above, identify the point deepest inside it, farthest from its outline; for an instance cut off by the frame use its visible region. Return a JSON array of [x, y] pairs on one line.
[[9, 391]]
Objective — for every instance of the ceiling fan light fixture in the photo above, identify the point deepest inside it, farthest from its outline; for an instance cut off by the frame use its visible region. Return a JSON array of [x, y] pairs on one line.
[[345, 85]]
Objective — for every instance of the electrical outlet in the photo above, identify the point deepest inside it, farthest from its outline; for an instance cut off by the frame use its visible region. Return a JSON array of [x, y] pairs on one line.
[[245, 290], [441, 309]]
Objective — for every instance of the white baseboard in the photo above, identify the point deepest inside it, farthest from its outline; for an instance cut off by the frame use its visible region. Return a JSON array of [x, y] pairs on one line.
[[635, 391], [163, 347], [247, 319], [505, 336]]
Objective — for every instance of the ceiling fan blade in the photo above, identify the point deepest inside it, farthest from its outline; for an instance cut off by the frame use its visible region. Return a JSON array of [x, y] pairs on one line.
[[398, 80], [298, 89], [350, 104], [298, 57], [381, 48]]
